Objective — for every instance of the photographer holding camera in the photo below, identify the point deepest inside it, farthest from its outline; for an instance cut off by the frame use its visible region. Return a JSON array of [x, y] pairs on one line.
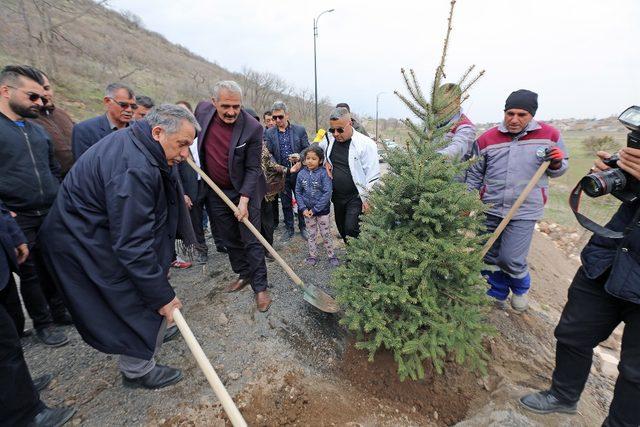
[[605, 291]]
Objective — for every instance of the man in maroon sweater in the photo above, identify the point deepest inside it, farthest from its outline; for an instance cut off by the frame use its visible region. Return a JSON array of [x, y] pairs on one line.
[[230, 145]]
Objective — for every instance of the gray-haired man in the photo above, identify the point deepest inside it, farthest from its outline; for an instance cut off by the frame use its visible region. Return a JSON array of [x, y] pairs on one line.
[[110, 235], [119, 102], [285, 141], [230, 148]]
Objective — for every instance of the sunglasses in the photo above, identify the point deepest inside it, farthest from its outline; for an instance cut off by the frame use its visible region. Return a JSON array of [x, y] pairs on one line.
[[125, 105], [280, 117], [33, 97], [334, 130]]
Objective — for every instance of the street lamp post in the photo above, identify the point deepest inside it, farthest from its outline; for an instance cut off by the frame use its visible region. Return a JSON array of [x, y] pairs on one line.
[[315, 67], [377, 99]]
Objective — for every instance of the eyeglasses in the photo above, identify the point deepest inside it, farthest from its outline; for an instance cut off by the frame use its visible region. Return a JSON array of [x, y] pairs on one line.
[[334, 130], [33, 97], [280, 117], [125, 105]]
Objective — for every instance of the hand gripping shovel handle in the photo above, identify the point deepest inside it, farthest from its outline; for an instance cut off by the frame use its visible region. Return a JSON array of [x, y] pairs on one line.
[[503, 224], [218, 388], [250, 226]]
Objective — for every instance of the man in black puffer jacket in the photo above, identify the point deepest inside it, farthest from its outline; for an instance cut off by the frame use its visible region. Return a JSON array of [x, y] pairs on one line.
[[29, 180]]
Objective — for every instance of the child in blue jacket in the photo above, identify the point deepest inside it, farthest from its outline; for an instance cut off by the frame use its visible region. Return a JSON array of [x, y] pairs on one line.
[[313, 194]]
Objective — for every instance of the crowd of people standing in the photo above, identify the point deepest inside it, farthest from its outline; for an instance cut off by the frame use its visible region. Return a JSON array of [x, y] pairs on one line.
[[90, 212]]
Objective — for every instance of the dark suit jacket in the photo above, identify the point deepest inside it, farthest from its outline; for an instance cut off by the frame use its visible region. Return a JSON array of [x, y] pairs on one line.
[[10, 238], [299, 141], [87, 133], [245, 151]]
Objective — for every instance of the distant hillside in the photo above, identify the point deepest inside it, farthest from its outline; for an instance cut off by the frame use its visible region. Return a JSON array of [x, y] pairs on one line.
[[83, 46]]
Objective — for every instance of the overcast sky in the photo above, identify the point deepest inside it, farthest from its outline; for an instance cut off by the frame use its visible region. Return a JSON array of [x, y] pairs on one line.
[[581, 56]]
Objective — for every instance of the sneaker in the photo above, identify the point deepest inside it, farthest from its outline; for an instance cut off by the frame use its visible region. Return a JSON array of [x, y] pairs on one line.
[[334, 261], [304, 233], [180, 263], [520, 303], [311, 260]]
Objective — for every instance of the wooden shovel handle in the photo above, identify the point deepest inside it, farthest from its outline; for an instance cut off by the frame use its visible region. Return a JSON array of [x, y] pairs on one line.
[[519, 201], [218, 388], [250, 226]]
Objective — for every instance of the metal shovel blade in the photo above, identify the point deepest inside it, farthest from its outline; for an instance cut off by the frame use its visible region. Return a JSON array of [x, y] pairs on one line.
[[320, 299]]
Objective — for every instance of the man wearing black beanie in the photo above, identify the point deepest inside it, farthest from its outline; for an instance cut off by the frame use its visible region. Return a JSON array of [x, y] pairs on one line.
[[509, 155]]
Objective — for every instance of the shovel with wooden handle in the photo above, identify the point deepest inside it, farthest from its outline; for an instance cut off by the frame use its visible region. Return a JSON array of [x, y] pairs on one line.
[[313, 295], [519, 201], [218, 388]]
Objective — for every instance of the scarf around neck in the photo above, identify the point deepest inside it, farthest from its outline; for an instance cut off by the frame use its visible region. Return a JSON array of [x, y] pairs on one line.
[[170, 181]]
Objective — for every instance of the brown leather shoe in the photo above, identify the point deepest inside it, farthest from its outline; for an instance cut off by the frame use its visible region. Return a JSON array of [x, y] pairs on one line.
[[263, 301], [236, 285]]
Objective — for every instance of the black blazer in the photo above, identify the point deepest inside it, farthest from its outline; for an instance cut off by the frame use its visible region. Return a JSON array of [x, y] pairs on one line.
[[245, 151], [87, 133]]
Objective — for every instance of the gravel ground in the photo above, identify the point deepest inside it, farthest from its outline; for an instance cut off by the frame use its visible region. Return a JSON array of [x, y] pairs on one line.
[[240, 342]]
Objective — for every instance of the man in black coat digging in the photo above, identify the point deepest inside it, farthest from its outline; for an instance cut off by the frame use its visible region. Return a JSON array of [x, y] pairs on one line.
[[110, 235]]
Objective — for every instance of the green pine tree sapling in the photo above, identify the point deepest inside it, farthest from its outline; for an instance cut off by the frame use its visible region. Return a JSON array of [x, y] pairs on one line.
[[412, 283]]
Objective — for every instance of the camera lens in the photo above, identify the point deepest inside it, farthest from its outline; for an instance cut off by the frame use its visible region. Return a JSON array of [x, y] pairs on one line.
[[601, 183]]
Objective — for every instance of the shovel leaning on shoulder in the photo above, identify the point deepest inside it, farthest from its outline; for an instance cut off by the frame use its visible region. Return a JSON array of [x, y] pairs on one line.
[[313, 295]]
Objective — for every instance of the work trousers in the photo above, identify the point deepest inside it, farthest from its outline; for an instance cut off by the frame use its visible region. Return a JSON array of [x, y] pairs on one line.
[[509, 253], [588, 318], [246, 253], [39, 293], [347, 213], [19, 399]]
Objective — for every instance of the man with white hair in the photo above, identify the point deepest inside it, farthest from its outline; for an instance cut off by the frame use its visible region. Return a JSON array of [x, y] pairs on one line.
[[110, 235], [230, 149], [355, 168]]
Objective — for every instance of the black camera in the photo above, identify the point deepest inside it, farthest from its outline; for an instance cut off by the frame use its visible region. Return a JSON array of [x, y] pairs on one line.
[[616, 181]]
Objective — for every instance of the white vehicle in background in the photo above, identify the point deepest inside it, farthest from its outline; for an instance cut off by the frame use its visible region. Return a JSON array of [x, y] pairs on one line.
[[386, 144]]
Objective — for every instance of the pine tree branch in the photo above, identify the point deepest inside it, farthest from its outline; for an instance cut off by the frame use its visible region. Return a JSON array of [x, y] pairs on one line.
[[413, 91], [473, 81], [411, 106], [419, 95], [464, 77], [440, 70]]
